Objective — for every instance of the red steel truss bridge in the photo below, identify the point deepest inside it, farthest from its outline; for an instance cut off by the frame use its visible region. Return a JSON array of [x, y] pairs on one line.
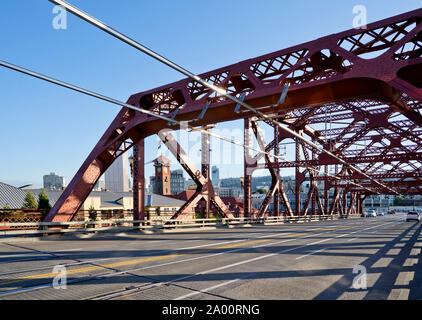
[[353, 111]]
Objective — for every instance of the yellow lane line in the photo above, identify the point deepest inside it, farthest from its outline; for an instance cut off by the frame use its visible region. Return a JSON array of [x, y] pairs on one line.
[[155, 258]]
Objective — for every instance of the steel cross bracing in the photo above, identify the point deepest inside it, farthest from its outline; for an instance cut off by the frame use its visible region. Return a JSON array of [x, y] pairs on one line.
[[387, 149], [333, 71], [277, 186], [322, 72], [138, 163], [205, 189], [215, 89]]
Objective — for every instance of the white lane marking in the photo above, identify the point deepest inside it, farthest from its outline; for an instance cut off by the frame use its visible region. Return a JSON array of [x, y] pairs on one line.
[[52, 266], [258, 258], [154, 242], [220, 253], [110, 258], [33, 255], [46, 257], [371, 232], [353, 239], [14, 255], [105, 275], [206, 289], [321, 241], [64, 250], [283, 241], [311, 253], [272, 243], [26, 253]]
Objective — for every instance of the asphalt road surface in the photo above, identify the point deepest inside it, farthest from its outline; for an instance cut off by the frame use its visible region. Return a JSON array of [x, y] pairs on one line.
[[364, 258]]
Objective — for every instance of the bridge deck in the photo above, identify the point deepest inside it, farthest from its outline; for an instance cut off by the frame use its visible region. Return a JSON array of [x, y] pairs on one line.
[[300, 261]]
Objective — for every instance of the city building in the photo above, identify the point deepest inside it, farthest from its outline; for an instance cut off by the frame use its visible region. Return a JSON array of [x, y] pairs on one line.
[[99, 186], [164, 181], [53, 181], [27, 187], [215, 176], [116, 176], [151, 185], [159, 207], [190, 185], [233, 192], [161, 180], [108, 203], [184, 195], [177, 181], [380, 201]]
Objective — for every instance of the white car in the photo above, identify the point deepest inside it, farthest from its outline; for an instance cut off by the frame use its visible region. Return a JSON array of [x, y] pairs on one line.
[[380, 213], [371, 213], [413, 216]]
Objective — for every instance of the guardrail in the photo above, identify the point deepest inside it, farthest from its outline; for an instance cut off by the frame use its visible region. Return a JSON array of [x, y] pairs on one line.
[[46, 228]]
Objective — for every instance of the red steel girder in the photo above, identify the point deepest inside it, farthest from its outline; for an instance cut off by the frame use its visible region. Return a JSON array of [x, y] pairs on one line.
[[325, 70], [276, 189], [353, 160], [205, 189]]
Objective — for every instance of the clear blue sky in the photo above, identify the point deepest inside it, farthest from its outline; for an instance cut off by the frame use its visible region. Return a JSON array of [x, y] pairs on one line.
[[46, 128]]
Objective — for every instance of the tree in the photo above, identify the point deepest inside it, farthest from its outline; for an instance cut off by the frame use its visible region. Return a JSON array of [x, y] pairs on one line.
[[261, 191], [30, 202], [43, 201], [6, 213], [92, 213]]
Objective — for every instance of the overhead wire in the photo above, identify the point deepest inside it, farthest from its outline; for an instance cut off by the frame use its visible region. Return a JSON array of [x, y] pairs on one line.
[[97, 23], [182, 124]]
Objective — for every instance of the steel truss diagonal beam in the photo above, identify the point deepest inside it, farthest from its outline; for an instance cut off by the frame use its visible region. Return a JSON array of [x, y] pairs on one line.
[[276, 187], [205, 189], [320, 58], [327, 71]]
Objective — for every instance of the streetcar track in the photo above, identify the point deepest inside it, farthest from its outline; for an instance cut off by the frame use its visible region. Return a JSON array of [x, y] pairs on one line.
[[100, 276], [117, 272], [132, 291], [78, 262]]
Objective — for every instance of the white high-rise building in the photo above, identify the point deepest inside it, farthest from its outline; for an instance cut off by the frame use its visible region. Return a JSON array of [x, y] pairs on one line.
[[53, 181], [117, 175], [215, 176]]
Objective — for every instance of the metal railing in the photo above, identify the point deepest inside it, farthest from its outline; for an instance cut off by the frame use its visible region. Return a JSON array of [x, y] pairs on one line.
[[46, 228]]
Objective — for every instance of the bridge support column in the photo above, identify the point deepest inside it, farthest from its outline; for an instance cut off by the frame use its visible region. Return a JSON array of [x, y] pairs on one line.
[[139, 181], [344, 201], [205, 167], [360, 205], [298, 180], [326, 191], [277, 171], [247, 180]]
